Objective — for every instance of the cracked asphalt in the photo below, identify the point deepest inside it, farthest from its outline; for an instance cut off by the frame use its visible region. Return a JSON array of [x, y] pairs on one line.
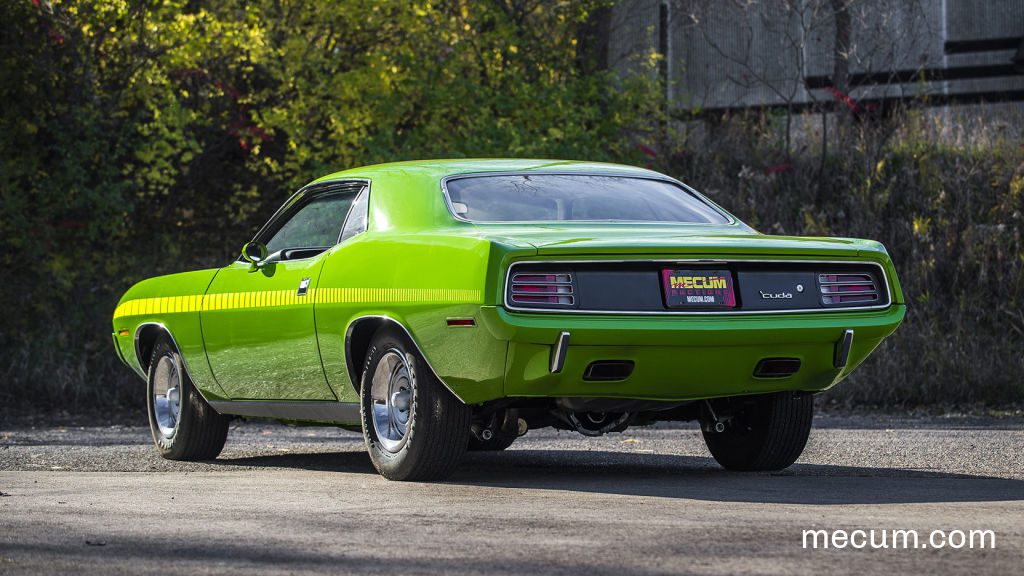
[[297, 500]]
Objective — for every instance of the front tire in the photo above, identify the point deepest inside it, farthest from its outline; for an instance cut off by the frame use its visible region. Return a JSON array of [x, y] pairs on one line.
[[768, 433], [183, 425], [414, 427]]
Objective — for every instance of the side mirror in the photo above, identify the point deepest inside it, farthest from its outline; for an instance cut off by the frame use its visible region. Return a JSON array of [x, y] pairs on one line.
[[255, 253]]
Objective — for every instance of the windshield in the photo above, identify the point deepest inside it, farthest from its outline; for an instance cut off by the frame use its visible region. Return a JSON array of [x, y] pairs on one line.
[[576, 197]]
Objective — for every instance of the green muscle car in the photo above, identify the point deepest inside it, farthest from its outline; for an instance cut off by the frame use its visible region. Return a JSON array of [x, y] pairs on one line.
[[445, 306]]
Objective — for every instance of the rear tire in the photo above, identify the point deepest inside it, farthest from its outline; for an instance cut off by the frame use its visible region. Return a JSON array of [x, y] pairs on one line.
[[183, 425], [414, 427], [768, 434], [504, 430]]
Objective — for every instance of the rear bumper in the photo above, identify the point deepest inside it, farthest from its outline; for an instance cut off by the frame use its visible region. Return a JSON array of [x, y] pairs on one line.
[[682, 358]]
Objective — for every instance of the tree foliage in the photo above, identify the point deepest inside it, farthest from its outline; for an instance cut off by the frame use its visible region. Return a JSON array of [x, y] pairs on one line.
[[143, 137]]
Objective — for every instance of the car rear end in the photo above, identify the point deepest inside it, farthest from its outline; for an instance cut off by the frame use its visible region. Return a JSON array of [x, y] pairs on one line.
[[686, 326]]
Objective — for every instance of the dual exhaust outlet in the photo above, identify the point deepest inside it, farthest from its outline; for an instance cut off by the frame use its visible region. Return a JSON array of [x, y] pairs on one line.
[[613, 370]]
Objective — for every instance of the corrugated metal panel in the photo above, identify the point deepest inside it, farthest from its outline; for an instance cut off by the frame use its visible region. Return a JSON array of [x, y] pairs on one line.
[[974, 19], [729, 54], [896, 36], [750, 53]]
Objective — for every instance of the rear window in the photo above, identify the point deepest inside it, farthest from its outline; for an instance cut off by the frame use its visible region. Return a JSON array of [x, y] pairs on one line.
[[575, 197]]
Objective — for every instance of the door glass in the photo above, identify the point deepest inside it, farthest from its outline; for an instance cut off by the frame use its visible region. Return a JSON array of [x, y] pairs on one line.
[[316, 225]]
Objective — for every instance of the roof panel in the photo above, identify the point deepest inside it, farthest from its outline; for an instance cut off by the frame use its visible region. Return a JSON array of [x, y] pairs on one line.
[[437, 169]]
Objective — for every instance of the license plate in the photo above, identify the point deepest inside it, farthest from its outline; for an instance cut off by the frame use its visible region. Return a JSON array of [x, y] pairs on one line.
[[698, 288]]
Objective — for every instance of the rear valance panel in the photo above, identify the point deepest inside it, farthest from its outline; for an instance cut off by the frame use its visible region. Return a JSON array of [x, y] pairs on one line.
[[698, 287]]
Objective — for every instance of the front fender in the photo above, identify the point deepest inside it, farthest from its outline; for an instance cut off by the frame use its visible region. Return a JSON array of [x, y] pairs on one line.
[[172, 302]]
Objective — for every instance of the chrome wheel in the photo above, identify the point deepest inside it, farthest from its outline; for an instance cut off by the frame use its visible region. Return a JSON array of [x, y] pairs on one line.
[[167, 395], [391, 396]]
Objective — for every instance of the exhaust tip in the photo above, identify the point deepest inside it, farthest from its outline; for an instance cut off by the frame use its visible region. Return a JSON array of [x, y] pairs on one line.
[[776, 367], [608, 370]]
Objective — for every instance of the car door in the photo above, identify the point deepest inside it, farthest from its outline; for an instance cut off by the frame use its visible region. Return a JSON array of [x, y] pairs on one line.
[[257, 321]]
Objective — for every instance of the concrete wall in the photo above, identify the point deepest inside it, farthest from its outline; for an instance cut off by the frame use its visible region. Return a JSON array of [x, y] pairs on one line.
[[739, 53]]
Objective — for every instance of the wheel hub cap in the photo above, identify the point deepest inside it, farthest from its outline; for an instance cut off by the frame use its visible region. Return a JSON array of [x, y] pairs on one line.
[[167, 396], [392, 398]]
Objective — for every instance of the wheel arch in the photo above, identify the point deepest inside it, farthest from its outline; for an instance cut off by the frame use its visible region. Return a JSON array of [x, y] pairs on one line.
[[146, 335], [358, 335]]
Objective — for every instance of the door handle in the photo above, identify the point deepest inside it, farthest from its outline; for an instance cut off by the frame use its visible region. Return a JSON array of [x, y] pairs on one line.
[[303, 287]]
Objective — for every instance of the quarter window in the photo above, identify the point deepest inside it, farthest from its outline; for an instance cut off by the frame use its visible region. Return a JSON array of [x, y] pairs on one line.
[[356, 221]]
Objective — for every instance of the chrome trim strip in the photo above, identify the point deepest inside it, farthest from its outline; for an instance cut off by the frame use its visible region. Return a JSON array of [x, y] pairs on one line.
[[730, 219], [517, 277], [348, 340], [843, 350], [347, 412], [558, 353], [571, 302], [508, 274], [843, 283]]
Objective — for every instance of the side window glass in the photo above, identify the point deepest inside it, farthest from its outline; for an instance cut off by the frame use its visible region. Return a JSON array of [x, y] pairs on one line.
[[356, 221], [315, 225]]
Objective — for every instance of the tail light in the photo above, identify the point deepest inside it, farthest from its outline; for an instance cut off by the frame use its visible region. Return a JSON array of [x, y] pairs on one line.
[[847, 289], [552, 289]]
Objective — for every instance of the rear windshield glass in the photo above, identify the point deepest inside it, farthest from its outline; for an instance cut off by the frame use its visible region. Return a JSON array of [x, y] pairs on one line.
[[575, 197]]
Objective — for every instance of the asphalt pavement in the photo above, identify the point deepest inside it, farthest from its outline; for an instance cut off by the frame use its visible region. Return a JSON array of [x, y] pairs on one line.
[[296, 500]]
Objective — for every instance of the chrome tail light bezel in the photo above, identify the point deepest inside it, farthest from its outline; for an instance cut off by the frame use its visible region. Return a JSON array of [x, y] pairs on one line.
[[845, 289], [555, 289]]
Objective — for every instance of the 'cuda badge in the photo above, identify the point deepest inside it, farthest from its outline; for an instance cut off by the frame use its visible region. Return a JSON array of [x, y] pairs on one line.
[[775, 296]]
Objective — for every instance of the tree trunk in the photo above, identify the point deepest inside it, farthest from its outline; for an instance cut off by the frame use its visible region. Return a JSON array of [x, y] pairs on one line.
[[592, 48], [841, 60], [841, 49]]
